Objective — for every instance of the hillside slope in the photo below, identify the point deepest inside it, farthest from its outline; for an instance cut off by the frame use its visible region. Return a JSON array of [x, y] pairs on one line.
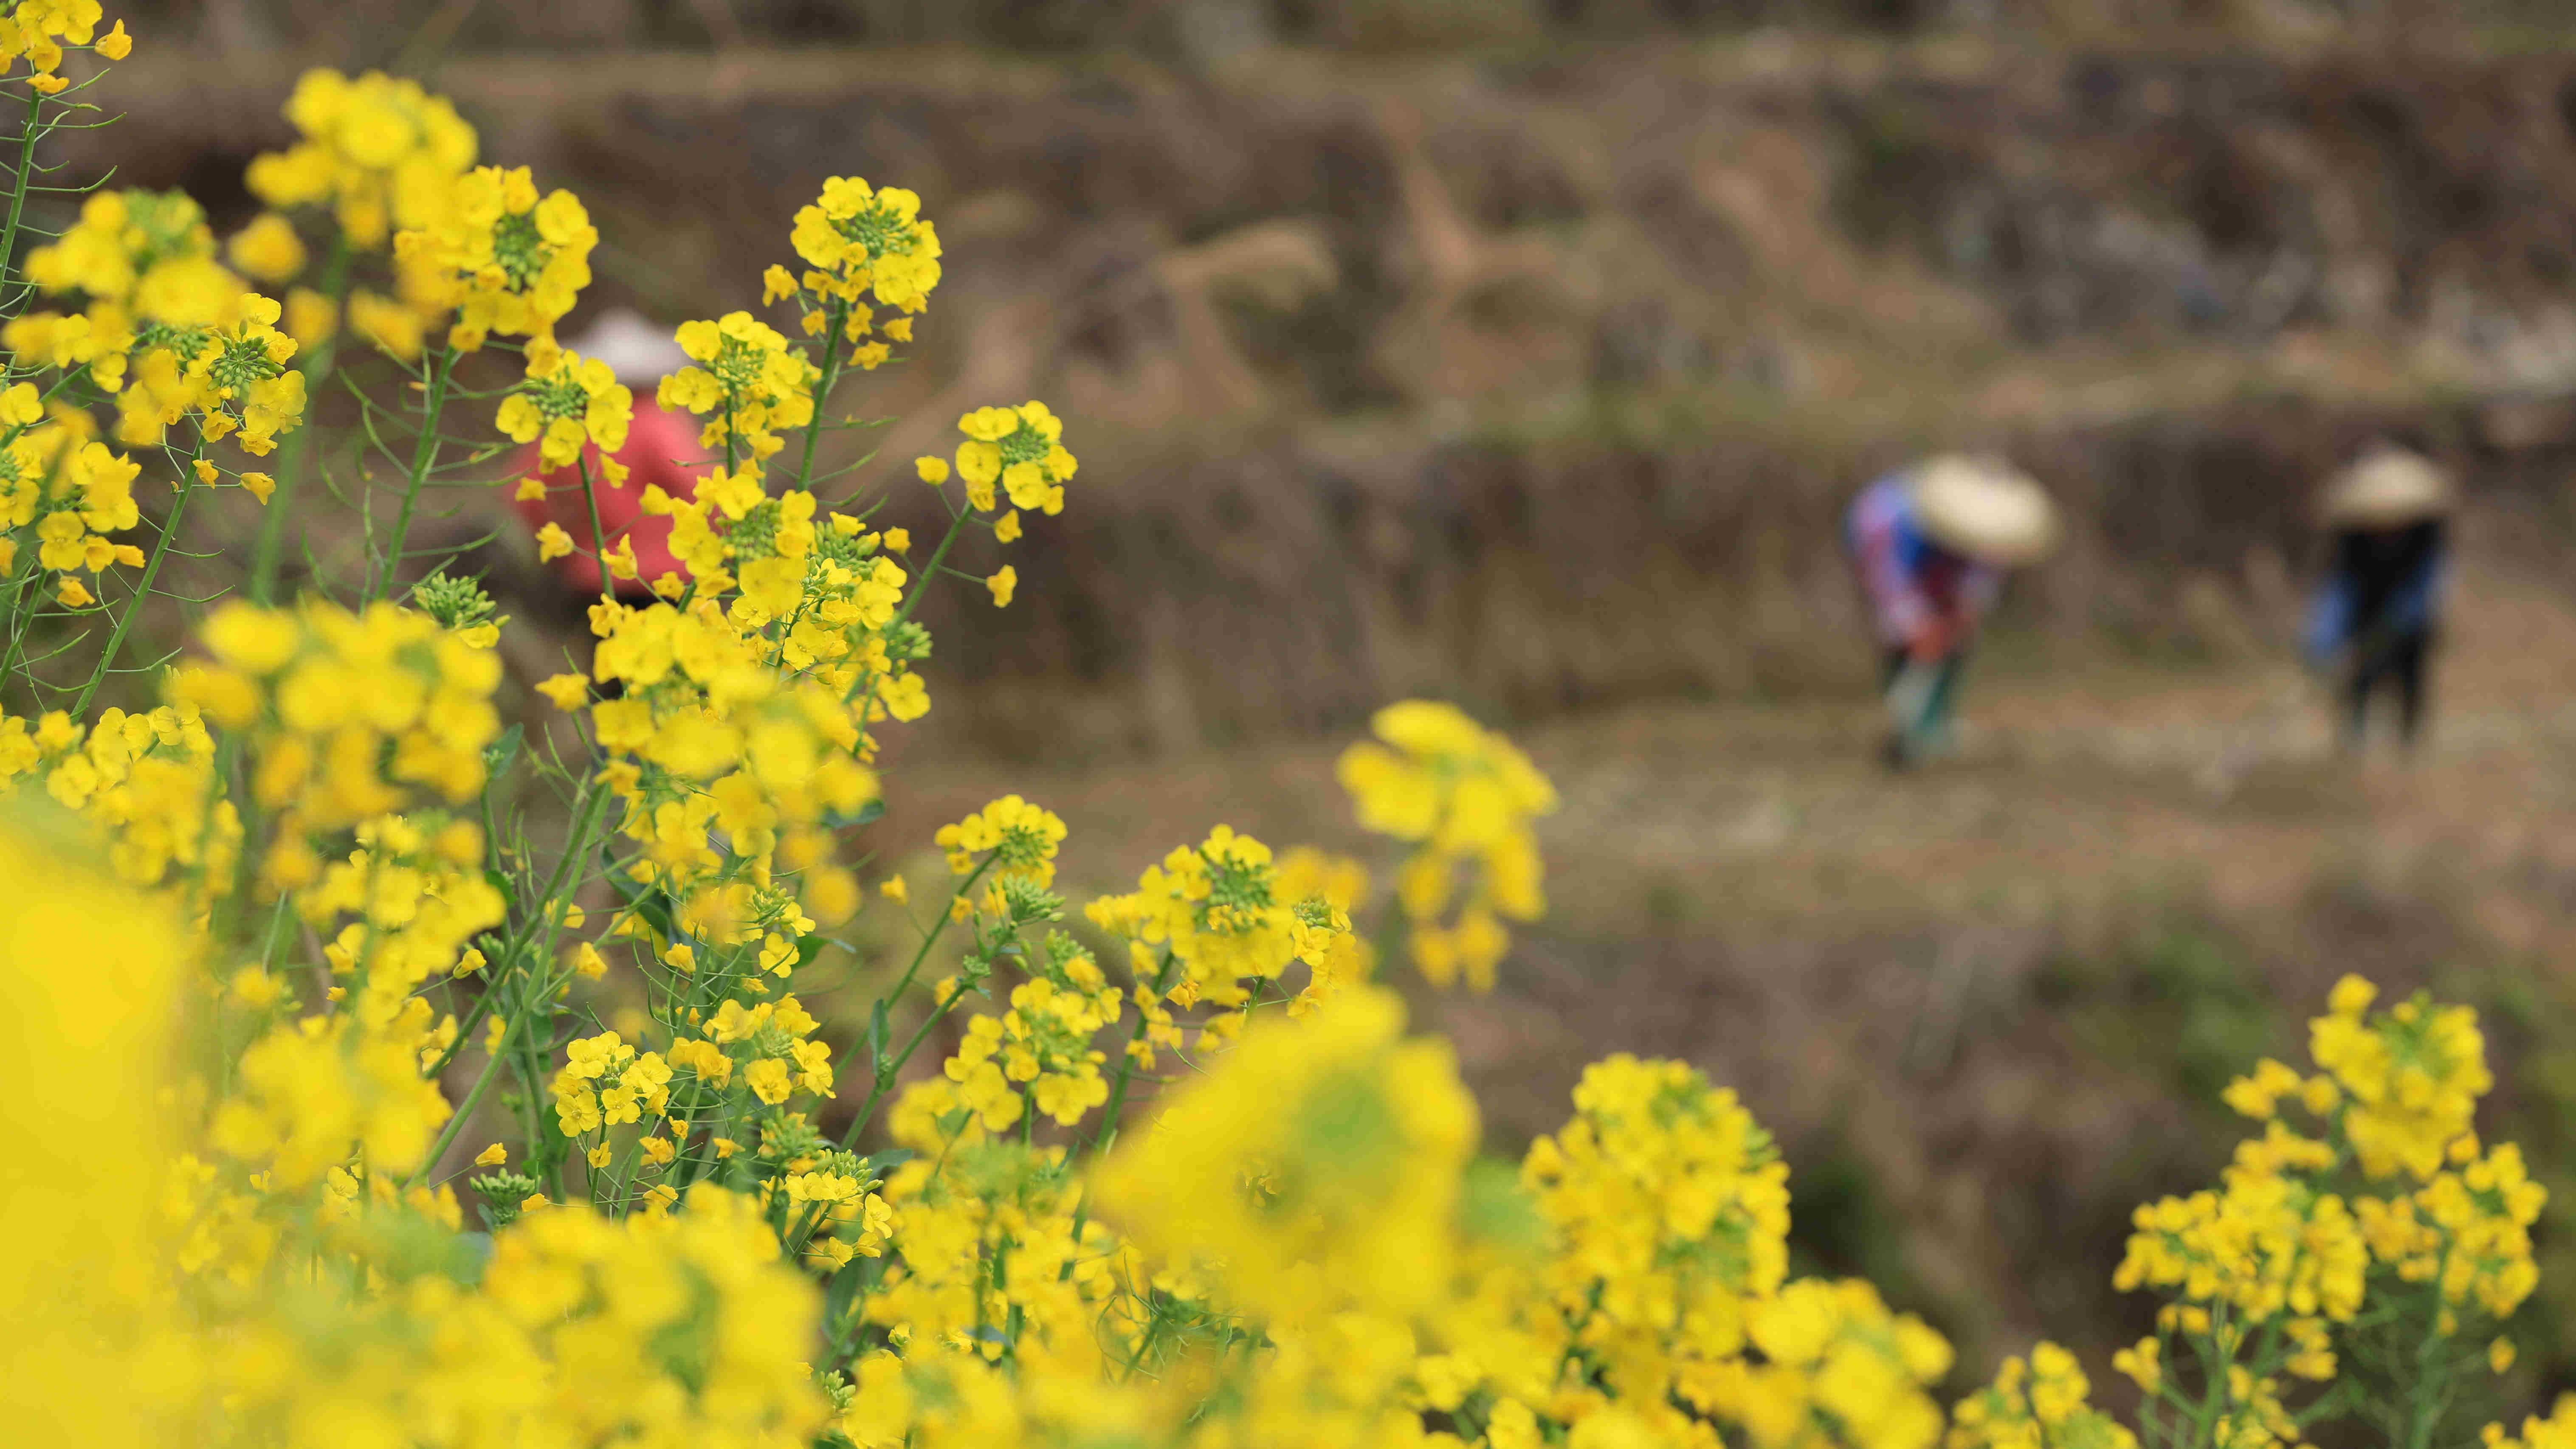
[[1536, 379]]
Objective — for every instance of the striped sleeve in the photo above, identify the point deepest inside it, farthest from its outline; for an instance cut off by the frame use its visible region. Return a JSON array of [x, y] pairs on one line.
[[1883, 544]]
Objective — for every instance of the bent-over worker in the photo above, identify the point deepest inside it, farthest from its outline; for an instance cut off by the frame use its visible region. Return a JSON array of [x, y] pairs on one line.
[[2377, 617], [1931, 544]]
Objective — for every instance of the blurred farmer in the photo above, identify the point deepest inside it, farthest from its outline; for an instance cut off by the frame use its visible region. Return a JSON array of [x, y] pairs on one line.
[[661, 448], [1931, 544], [2375, 619]]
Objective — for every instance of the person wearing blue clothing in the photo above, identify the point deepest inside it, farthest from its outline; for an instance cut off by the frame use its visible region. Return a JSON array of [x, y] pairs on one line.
[[2377, 616], [1930, 544]]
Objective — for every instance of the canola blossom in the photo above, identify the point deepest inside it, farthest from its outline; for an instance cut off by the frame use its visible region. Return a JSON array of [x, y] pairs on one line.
[[404, 1061], [1464, 799]]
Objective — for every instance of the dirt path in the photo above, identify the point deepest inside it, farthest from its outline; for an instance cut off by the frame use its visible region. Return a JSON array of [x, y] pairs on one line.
[[2072, 787]]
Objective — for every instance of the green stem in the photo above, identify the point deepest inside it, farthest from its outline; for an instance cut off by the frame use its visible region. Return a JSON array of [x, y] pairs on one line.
[[1126, 1068], [465, 1109], [318, 365], [72, 374], [23, 568], [465, 1025], [21, 576], [545, 1152], [835, 316], [534, 992], [794, 1241], [2214, 1368], [909, 972], [280, 933], [424, 460], [34, 131], [576, 844], [1389, 938], [598, 534], [886, 1074], [1117, 1102], [930, 570], [2424, 1405], [717, 1122], [861, 682], [142, 591]]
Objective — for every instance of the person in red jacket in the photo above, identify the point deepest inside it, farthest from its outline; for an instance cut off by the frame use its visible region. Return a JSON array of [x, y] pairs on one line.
[[661, 447]]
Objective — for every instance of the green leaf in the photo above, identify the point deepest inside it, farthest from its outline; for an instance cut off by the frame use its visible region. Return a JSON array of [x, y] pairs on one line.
[[865, 814], [878, 1163], [842, 1293], [653, 906], [498, 755]]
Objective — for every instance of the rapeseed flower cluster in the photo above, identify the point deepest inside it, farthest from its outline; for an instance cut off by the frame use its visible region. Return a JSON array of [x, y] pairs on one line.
[[143, 779], [380, 156], [168, 331], [93, 1143], [61, 498], [870, 239], [285, 932], [352, 716], [746, 380], [238, 384], [1039, 1051], [1674, 1208], [587, 1329], [1215, 922], [1022, 451], [704, 734], [508, 260], [1668, 1289], [566, 402], [2411, 1077], [1461, 798], [2040, 1404], [1014, 838], [1325, 892], [2558, 1431], [859, 242], [37, 31], [143, 258], [2381, 1233], [378, 151], [1325, 1159]]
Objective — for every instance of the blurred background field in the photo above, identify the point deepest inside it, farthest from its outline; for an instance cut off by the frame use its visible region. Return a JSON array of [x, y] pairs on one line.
[[1524, 352]]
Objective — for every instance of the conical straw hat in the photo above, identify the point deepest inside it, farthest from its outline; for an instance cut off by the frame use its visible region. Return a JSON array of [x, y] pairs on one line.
[[1985, 509], [2388, 488], [640, 353]]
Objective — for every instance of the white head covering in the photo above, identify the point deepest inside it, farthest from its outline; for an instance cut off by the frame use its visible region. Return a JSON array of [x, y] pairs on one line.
[[640, 353], [1984, 508], [2389, 488]]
